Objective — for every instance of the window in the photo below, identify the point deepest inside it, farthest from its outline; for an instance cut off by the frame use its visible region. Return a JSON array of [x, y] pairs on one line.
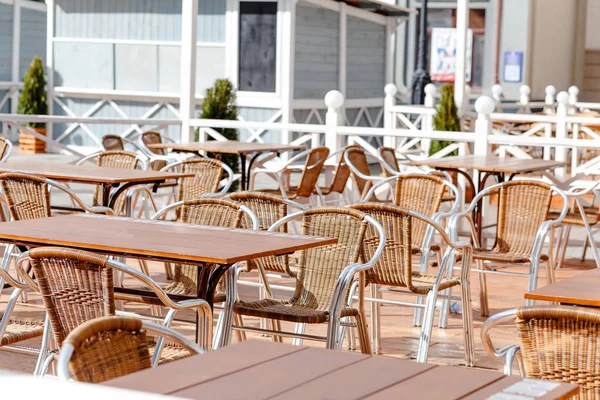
[[258, 46]]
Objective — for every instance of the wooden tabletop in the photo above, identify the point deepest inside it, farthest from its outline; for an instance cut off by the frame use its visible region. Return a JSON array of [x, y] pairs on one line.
[[88, 173], [263, 369], [228, 147], [506, 165], [579, 290], [160, 240]]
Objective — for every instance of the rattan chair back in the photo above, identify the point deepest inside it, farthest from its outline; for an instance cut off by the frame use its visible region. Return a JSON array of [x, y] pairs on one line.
[[388, 156], [113, 142], [75, 286], [357, 157], [312, 169], [27, 196], [148, 138], [340, 177], [422, 194], [394, 266], [522, 207], [115, 159], [268, 209], [320, 267], [210, 212], [561, 343], [107, 348], [207, 176]]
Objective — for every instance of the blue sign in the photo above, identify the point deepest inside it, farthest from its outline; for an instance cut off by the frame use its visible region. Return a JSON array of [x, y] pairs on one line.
[[513, 66]]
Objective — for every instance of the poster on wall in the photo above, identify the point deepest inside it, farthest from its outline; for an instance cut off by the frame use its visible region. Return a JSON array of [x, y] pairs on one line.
[[513, 66], [443, 54]]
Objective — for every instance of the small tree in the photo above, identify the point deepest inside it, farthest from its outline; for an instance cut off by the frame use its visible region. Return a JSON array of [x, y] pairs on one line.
[[33, 97], [219, 103], [446, 118]]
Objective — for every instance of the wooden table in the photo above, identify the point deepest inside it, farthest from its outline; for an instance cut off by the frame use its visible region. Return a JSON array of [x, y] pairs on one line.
[[158, 240], [490, 166], [108, 178], [581, 290], [262, 369], [242, 149]]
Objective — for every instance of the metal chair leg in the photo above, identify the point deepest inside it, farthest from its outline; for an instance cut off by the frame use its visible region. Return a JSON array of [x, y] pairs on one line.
[[425, 337], [6, 263], [467, 320], [299, 329], [376, 319]]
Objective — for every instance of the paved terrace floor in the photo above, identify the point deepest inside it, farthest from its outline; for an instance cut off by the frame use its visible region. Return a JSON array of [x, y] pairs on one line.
[[400, 338]]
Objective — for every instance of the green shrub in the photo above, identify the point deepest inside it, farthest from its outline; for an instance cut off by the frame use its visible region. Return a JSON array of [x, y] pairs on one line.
[[33, 97], [446, 119], [219, 103]]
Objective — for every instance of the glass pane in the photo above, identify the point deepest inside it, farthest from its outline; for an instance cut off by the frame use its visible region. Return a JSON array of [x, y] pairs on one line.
[[258, 46]]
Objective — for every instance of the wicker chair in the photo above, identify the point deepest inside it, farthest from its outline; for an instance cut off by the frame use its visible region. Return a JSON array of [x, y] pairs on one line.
[[110, 347], [394, 268], [341, 174], [121, 160], [358, 162], [28, 197], [206, 181], [523, 224], [5, 149], [113, 143], [209, 212], [311, 170], [556, 343], [322, 281], [159, 158], [77, 286]]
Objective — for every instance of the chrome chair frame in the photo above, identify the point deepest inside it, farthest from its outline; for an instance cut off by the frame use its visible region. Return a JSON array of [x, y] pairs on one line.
[[510, 353], [66, 351], [344, 280], [7, 152], [372, 179], [545, 227]]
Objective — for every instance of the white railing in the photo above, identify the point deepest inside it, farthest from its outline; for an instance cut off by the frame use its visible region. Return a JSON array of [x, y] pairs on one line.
[[408, 129]]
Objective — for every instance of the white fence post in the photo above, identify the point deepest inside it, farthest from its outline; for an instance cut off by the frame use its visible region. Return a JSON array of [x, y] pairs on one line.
[[389, 119], [427, 121], [573, 99], [497, 95], [187, 91], [562, 110], [525, 92], [483, 126], [549, 100], [334, 101]]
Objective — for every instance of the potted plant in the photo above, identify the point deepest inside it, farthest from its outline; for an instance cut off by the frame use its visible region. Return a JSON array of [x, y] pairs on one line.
[[33, 102], [219, 103]]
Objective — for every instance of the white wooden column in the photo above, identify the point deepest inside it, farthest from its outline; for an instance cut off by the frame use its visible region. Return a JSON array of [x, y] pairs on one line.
[[50, 22], [462, 26], [187, 95], [343, 43], [16, 53], [288, 25], [390, 47]]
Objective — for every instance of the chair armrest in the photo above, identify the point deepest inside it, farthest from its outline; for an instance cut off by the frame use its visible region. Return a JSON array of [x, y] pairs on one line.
[[77, 200], [27, 280], [486, 328]]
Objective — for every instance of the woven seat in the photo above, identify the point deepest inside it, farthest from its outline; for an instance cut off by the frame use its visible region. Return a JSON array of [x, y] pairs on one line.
[[286, 310], [19, 329], [504, 257], [318, 272], [556, 343], [110, 347], [574, 218], [395, 268]]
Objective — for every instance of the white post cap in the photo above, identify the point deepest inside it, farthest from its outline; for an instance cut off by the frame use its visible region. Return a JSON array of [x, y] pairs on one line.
[[391, 89], [485, 105], [334, 99], [563, 98]]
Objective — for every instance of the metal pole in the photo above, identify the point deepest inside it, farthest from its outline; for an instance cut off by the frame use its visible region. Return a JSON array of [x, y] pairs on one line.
[[421, 77]]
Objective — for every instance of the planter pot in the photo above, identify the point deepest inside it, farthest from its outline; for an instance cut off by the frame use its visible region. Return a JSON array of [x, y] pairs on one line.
[[29, 144]]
